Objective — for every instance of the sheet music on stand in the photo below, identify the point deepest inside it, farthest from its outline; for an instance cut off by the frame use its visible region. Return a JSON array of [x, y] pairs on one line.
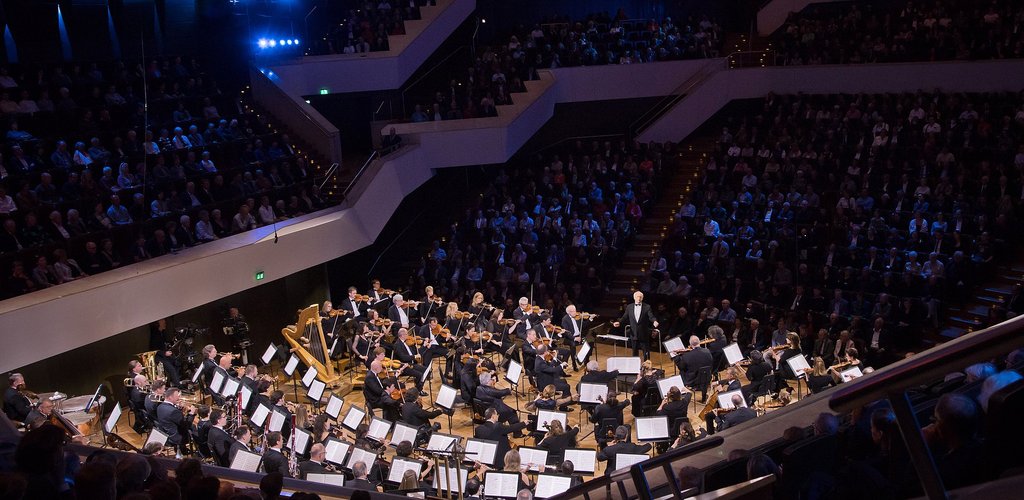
[[379, 428], [725, 399], [533, 458], [669, 382], [625, 365], [549, 485], [545, 416], [584, 460], [334, 406], [230, 388], [427, 372], [361, 455], [309, 376], [481, 450], [456, 477], [623, 460], [303, 440], [584, 351], [590, 392], [259, 416], [111, 421], [446, 396], [732, 353], [335, 479], [442, 442], [291, 365], [269, 354], [246, 396], [196, 374], [614, 338], [673, 344], [403, 432], [799, 365], [652, 428], [246, 461], [316, 390], [401, 464], [217, 382], [514, 372], [850, 374], [278, 417], [336, 451], [155, 436], [353, 418], [501, 484]]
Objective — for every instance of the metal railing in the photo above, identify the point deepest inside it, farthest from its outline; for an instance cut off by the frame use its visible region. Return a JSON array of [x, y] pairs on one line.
[[359, 174], [892, 383], [647, 119]]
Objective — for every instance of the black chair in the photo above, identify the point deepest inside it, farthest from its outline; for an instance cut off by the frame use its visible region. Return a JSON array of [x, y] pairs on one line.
[[651, 401], [725, 474], [702, 382], [605, 431], [1002, 419]]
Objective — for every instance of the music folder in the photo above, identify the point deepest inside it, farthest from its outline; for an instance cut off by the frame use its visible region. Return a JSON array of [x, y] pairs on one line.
[[455, 480], [353, 418], [549, 485], [303, 439], [247, 461], [442, 442], [230, 387], [725, 399], [336, 451], [115, 415], [334, 479], [403, 432], [798, 365], [669, 382], [259, 416], [851, 373], [446, 397], [309, 377], [269, 354], [291, 365], [482, 450], [196, 374], [401, 464], [629, 365], [278, 419], [155, 436], [623, 460], [378, 430], [514, 372], [533, 458], [217, 382], [426, 373], [652, 428], [316, 390], [590, 392], [334, 406], [673, 344], [584, 460], [584, 351], [501, 484], [246, 396], [360, 455], [546, 416], [732, 353]]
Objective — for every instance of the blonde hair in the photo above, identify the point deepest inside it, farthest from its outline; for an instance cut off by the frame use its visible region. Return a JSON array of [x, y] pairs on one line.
[[476, 296], [409, 480], [452, 309], [548, 392], [819, 367], [512, 461]]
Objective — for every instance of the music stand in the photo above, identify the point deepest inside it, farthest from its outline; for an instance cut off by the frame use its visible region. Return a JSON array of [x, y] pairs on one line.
[[584, 460], [652, 429], [513, 374], [289, 369], [446, 401], [334, 406], [549, 485]]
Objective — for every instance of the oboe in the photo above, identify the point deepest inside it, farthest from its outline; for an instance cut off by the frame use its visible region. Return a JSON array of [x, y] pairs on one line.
[[293, 458]]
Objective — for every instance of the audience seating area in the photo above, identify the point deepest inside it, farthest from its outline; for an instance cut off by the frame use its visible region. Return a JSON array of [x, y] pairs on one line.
[[359, 26], [109, 164], [884, 31]]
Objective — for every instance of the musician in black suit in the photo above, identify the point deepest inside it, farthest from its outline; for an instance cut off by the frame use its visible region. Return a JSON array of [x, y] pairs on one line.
[[242, 437], [159, 342], [435, 349], [621, 445], [595, 375], [408, 354], [574, 331], [468, 380], [527, 319], [609, 409], [732, 418], [352, 308], [16, 405], [156, 394], [492, 430], [218, 440], [491, 396], [210, 366], [674, 406], [171, 421], [432, 306], [273, 459], [359, 480], [549, 371], [640, 319], [39, 415], [137, 403], [691, 361], [756, 373], [376, 391], [315, 464], [414, 414], [399, 313]]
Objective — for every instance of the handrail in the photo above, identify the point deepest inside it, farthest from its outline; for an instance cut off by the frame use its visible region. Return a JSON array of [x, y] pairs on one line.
[[327, 176], [299, 107], [359, 174], [407, 88], [667, 102]]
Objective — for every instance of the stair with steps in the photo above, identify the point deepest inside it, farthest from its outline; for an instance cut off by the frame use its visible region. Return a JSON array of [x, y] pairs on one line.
[[994, 293], [652, 230]]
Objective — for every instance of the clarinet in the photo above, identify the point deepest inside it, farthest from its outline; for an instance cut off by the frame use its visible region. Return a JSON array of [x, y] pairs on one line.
[[238, 410], [293, 458]]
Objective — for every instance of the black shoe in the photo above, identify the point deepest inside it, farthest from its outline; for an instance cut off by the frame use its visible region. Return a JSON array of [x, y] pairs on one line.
[[423, 393]]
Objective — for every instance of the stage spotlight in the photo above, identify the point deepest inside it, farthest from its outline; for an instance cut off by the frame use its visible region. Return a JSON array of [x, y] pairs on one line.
[[273, 43], [262, 43], [296, 41], [281, 43]]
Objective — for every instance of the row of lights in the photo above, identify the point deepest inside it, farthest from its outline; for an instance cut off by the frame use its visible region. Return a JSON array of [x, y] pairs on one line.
[[270, 43]]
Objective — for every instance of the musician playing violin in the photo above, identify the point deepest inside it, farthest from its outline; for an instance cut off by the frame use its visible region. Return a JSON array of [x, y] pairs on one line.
[[456, 321], [354, 309], [399, 313], [431, 306], [527, 315], [364, 341], [433, 336], [549, 370], [410, 355], [415, 415], [574, 325]]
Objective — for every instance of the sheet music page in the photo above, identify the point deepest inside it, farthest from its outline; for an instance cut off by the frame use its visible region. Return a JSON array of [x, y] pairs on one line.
[[268, 355], [379, 429], [335, 479], [441, 442], [354, 417], [652, 428], [851, 374], [277, 420], [403, 432], [590, 392], [246, 395], [196, 374], [260, 415], [309, 376], [549, 485], [623, 460], [156, 436], [534, 458], [334, 406], [452, 479], [361, 455], [673, 344], [545, 416], [244, 460], [399, 465], [725, 399], [625, 365], [798, 364], [501, 484], [514, 373], [428, 371], [484, 451], [733, 354], [583, 460], [115, 414], [337, 450], [291, 365], [302, 439], [583, 352], [446, 396], [316, 390], [217, 382], [669, 382], [230, 388]]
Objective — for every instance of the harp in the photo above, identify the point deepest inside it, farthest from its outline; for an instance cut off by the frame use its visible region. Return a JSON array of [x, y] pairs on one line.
[[307, 341]]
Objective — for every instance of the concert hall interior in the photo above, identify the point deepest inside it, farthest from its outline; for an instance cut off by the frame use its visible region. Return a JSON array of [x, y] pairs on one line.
[[493, 250]]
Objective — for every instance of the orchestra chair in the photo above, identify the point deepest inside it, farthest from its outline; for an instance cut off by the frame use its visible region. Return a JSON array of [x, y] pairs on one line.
[[651, 401], [702, 383]]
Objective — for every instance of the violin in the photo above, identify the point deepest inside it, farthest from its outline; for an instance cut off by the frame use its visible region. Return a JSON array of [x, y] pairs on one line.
[[583, 316], [336, 312], [507, 321], [549, 356], [462, 315], [413, 341], [362, 298], [392, 364], [537, 310], [409, 303], [467, 356], [397, 394], [438, 331], [382, 322], [554, 329]]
